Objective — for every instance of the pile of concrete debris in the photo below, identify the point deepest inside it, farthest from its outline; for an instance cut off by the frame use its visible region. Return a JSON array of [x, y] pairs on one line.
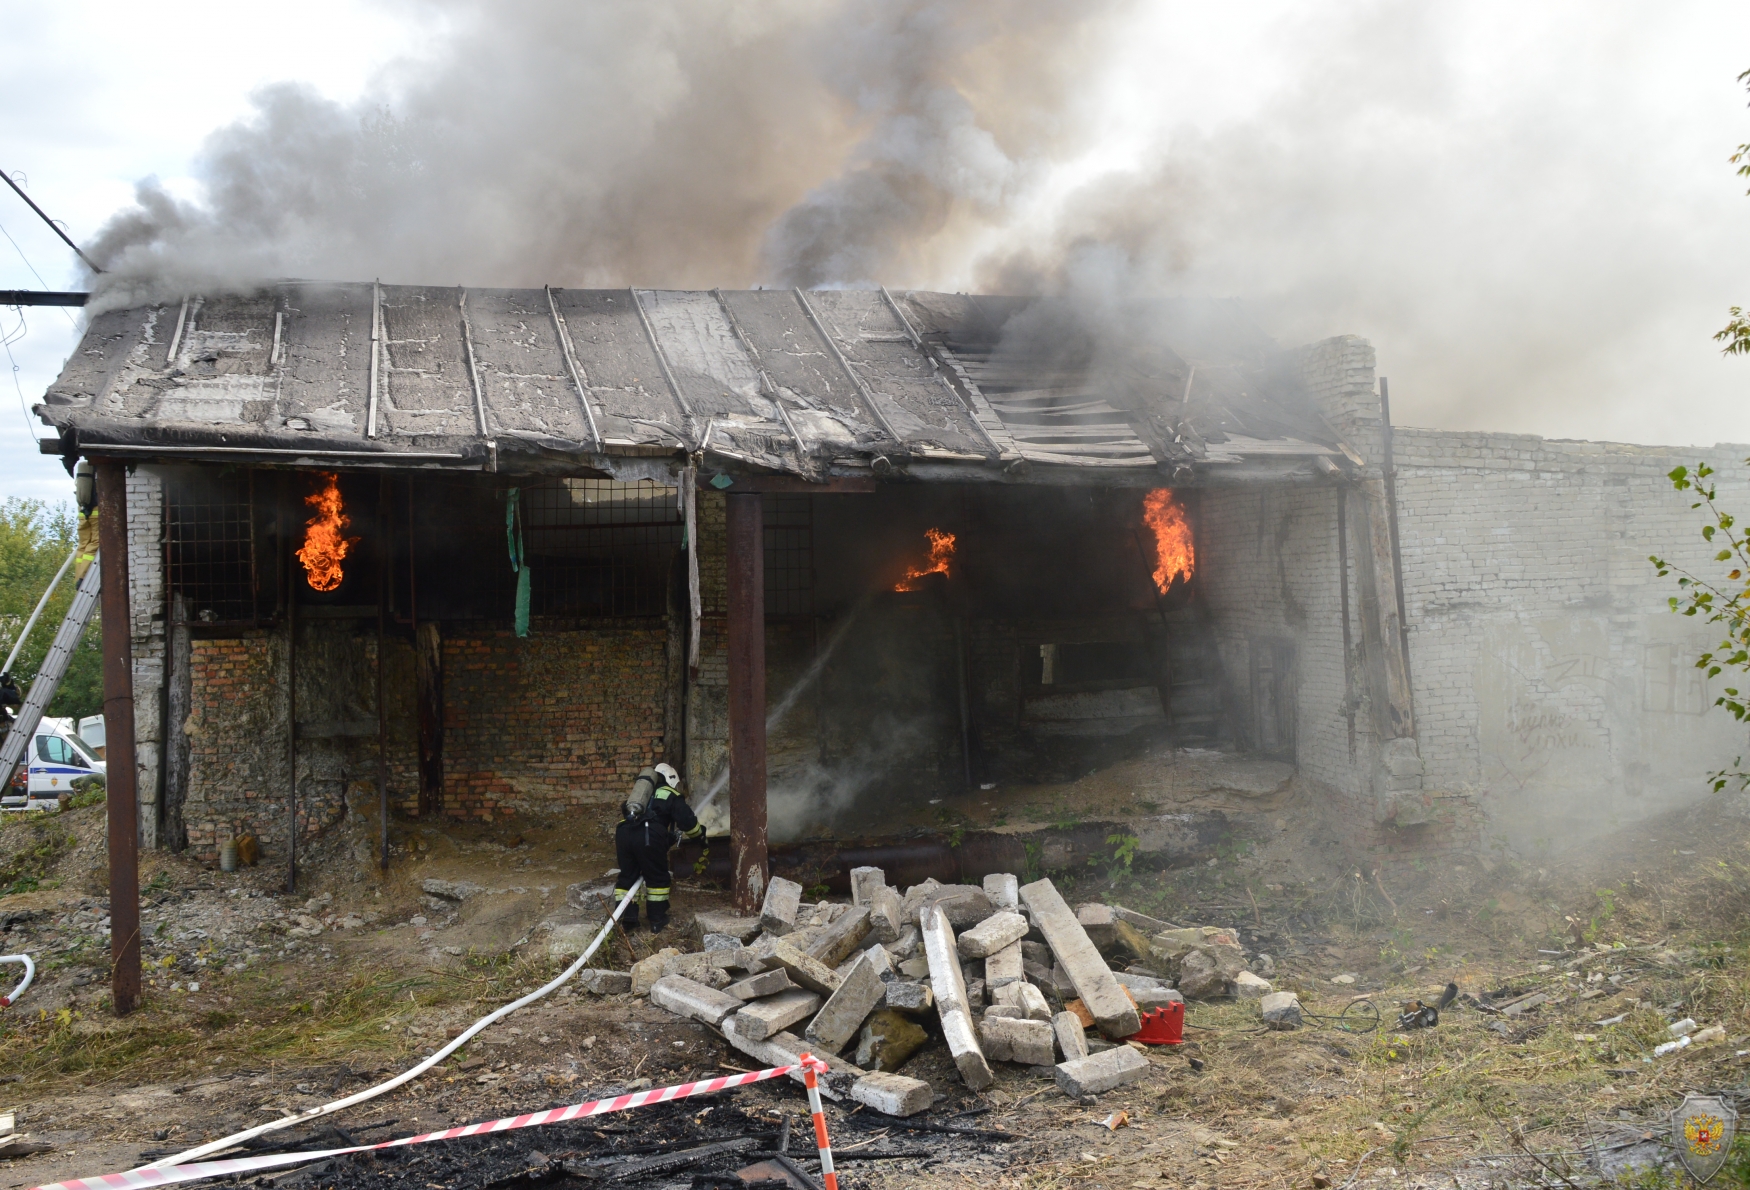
[[1010, 972]]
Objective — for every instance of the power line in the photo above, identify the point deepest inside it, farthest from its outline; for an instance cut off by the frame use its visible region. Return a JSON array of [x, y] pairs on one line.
[[56, 227], [32, 268], [7, 340]]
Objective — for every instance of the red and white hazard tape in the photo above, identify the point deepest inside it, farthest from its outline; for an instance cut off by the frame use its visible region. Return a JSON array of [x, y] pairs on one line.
[[172, 1174]]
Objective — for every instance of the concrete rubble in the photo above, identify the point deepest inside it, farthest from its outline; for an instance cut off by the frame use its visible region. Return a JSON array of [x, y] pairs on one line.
[[863, 979]]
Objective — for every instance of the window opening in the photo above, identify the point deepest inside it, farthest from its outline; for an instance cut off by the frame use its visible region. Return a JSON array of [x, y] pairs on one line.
[[789, 577], [209, 544], [600, 547]]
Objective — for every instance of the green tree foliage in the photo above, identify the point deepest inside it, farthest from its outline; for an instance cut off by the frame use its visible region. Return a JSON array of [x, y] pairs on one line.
[[1736, 335], [35, 538]]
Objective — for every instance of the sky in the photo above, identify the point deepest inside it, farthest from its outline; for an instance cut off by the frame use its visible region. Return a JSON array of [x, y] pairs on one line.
[[1528, 209]]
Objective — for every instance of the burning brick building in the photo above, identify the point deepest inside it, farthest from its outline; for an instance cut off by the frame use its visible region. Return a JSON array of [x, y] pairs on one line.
[[485, 551]]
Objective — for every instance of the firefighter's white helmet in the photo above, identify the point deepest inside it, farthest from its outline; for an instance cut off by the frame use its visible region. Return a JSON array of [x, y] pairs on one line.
[[669, 776]]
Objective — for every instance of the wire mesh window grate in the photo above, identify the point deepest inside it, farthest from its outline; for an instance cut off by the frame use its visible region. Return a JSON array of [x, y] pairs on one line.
[[209, 545], [789, 522], [600, 547]]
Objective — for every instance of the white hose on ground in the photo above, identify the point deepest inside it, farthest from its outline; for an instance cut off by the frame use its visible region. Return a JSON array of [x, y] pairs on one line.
[[29, 974]]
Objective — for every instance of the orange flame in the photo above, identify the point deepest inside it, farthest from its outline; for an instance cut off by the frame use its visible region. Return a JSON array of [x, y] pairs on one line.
[[325, 543], [941, 553], [1175, 556]]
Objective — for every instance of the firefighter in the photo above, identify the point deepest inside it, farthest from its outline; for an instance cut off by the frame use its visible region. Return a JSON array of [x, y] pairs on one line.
[[652, 820]]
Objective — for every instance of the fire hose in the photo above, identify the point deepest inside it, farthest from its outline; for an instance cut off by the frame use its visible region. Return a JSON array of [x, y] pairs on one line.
[[8, 1001], [408, 1076]]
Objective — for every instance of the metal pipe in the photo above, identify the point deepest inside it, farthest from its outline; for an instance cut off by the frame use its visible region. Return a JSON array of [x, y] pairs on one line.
[[8, 1001], [118, 712], [40, 604], [747, 697], [1397, 555]]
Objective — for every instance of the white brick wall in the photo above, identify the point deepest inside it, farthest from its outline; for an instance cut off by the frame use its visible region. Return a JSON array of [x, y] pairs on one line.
[[146, 615]]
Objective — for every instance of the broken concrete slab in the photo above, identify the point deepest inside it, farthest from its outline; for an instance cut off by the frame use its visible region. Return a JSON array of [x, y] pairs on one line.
[[1208, 972], [1149, 998], [761, 1019], [964, 905], [1003, 889], [1014, 1011], [1251, 987], [1098, 1073], [755, 987], [864, 884], [887, 1039], [840, 937], [1178, 939], [686, 997], [1113, 1012], [1006, 1039], [1072, 1039], [1142, 921], [782, 1049], [451, 890], [783, 902], [1024, 996], [1098, 920], [996, 932], [975, 995], [720, 942], [1037, 952], [908, 942], [713, 921], [603, 982], [1004, 967], [804, 970], [951, 1004], [892, 1094], [1137, 982], [646, 971], [847, 1008], [1280, 1010], [916, 967], [886, 914], [910, 995], [914, 897]]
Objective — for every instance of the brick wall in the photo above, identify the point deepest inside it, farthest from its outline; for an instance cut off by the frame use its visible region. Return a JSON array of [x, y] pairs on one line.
[[236, 730]]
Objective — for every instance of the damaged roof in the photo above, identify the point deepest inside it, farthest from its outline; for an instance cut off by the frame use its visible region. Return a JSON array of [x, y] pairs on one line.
[[818, 384]]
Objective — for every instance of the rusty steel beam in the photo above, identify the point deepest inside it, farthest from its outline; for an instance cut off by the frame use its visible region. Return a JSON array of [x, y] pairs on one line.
[[118, 714], [747, 697]]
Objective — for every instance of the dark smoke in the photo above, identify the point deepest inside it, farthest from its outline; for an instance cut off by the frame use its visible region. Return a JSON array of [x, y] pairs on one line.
[[668, 143]]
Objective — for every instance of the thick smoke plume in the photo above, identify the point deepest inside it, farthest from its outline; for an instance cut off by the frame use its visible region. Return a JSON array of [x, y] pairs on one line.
[[687, 143]]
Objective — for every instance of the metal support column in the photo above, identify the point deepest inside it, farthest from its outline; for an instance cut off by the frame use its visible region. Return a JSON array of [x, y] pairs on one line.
[[747, 697], [118, 715]]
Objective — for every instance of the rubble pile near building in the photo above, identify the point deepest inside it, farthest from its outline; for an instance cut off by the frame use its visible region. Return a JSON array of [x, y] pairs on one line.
[[999, 973]]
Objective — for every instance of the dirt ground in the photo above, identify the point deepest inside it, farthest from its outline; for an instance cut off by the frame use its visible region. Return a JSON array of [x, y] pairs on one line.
[[258, 1004]]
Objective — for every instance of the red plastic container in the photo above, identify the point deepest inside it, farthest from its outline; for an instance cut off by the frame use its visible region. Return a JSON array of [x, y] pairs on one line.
[[1162, 1026]]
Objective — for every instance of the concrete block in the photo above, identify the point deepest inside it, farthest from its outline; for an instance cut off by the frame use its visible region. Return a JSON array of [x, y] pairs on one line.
[[996, 932], [864, 883], [910, 995], [645, 972], [1013, 1011], [1032, 1001], [1251, 987], [1138, 983], [720, 942], [783, 902], [1113, 1012], [1072, 1039], [782, 1049], [1142, 921], [886, 915], [964, 905], [847, 1008], [1004, 967], [604, 983], [685, 997], [1097, 1073], [975, 997], [1280, 1010], [839, 938], [892, 1094], [1155, 998], [713, 921], [763, 1018], [1037, 952], [755, 987], [951, 1006], [1098, 920], [806, 971], [1003, 889], [887, 1039], [914, 897], [917, 967], [1008, 1040]]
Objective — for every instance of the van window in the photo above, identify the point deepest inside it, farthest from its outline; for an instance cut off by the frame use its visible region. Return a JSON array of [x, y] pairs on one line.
[[87, 756], [55, 750]]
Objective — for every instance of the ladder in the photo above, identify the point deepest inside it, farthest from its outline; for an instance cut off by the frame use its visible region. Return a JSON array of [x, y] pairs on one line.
[[48, 677]]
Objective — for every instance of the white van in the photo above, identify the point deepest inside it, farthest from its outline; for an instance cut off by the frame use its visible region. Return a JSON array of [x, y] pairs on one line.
[[57, 757]]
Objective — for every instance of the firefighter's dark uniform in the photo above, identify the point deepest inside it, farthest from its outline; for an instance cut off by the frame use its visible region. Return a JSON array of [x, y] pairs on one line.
[[642, 845]]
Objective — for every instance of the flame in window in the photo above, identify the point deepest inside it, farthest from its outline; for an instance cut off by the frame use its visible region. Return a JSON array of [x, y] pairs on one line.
[[941, 553], [1175, 556], [325, 542]]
